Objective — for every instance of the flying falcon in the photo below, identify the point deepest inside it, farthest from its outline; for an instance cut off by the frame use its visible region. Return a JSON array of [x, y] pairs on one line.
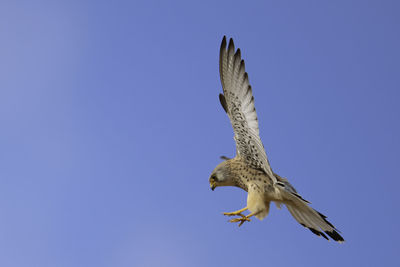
[[250, 169]]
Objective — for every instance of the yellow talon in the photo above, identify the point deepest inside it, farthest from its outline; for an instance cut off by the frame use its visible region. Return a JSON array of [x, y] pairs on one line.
[[241, 220], [234, 213]]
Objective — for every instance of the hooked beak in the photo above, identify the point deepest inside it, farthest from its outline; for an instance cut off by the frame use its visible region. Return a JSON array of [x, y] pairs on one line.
[[213, 185]]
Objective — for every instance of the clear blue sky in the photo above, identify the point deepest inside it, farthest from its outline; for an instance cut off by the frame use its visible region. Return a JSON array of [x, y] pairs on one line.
[[111, 126]]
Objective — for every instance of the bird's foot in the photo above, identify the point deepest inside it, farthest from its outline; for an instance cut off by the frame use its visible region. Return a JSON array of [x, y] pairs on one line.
[[241, 220], [235, 213]]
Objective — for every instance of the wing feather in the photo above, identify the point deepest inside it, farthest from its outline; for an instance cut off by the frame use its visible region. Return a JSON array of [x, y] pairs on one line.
[[238, 102]]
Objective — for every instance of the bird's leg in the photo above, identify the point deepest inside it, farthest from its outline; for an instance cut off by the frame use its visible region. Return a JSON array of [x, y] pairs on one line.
[[244, 218], [235, 213]]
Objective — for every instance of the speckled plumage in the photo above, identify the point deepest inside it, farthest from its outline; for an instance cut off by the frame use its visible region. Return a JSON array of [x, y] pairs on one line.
[[250, 169]]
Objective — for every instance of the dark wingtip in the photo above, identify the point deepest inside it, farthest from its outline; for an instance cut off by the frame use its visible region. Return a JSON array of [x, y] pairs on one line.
[[242, 65], [238, 54], [222, 100], [246, 77], [231, 45], [223, 43]]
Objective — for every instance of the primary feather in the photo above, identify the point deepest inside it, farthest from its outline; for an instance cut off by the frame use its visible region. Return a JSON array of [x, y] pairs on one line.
[[238, 103]]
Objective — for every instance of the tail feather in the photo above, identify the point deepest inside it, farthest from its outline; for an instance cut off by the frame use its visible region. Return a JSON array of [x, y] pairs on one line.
[[305, 215], [314, 221], [308, 217], [306, 221]]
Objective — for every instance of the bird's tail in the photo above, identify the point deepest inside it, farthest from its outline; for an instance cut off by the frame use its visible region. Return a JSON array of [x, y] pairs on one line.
[[307, 216], [315, 221]]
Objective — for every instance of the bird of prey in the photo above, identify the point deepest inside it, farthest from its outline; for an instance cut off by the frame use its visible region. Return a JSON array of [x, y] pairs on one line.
[[250, 169]]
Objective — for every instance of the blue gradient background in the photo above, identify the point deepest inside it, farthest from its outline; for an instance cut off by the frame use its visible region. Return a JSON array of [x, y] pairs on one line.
[[111, 126]]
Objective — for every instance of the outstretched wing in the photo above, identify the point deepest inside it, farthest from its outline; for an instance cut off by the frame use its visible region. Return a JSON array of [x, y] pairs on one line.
[[238, 103]]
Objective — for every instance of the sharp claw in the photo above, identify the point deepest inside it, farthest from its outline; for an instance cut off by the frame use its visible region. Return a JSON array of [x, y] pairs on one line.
[[241, 219]]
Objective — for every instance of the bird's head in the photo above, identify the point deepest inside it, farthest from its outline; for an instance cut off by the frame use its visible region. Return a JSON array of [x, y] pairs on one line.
[[221, 176]]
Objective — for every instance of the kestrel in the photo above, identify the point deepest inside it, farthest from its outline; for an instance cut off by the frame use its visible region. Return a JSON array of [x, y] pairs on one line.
[[250, 169]]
